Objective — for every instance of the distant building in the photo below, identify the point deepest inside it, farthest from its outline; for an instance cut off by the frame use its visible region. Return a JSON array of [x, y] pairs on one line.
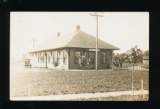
[[67, 49], [146, 60]]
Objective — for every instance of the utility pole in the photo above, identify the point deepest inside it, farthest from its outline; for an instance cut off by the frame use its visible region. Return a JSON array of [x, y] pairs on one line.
[[34, 39], [96, 15]]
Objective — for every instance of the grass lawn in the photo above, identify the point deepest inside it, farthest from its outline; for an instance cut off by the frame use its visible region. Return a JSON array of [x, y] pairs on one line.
[[49, 82]]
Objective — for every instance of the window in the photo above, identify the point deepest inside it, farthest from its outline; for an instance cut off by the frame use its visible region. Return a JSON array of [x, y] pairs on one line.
[[39, 57], [64, 57], [58, 55], [53, 57], [76, 57], [42, 59], [48, 59], [57, 60], [103, 57], [51, 53], [91, 57]]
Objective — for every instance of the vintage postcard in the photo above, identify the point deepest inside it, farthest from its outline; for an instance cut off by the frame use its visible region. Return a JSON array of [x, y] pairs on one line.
[[79, 56]]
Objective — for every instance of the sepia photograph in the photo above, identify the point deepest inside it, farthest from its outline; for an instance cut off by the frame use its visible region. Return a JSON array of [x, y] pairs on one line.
[[79, 56]]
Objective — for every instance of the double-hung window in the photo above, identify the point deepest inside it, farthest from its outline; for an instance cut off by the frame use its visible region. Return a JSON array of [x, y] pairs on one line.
[[103, 57], [64, 57], [91, 57], [76, 57]]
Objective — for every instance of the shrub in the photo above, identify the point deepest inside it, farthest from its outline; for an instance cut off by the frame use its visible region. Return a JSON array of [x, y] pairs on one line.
[[55, 63]]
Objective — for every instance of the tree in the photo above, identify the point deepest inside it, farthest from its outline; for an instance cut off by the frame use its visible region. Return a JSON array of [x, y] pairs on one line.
[[118, 59], [146, 53], [134, 55]]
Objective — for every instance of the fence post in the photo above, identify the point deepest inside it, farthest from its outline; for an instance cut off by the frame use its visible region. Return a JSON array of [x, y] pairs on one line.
[[142, 86]]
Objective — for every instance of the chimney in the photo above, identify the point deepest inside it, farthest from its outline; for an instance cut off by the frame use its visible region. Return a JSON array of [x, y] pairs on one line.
[[77, 28], [58, 34]]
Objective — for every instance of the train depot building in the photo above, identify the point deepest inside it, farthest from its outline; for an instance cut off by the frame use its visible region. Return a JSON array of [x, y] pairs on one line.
[[66, 51]]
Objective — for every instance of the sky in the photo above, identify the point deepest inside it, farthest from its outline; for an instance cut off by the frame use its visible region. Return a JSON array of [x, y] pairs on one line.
[[121, 29]]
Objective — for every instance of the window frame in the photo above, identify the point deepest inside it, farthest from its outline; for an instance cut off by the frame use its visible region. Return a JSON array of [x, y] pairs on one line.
[[58, 57], [58, 60], [49, 61], [38, 58], [64, 57], [42, 58], [76, 62], [103, 59], [91, 58]]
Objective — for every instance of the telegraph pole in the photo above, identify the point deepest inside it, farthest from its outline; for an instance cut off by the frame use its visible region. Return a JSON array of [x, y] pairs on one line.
[[34, 39], [96, 15]]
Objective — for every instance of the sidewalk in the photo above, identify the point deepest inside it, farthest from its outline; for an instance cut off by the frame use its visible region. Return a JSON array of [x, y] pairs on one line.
[[77, 96], [89, 70]]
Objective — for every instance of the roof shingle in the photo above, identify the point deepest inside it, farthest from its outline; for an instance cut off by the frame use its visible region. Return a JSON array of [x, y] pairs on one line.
[[78, 39]]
